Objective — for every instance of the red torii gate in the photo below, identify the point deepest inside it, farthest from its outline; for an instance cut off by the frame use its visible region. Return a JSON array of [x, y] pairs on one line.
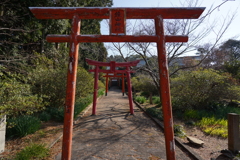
[[115, 76], [113, 66], [117, 19]]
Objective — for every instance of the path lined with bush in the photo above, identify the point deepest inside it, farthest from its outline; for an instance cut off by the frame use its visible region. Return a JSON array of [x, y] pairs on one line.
[[115, 134]]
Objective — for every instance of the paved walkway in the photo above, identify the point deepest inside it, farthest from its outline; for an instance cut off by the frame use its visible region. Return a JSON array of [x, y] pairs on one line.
[[114, 134]]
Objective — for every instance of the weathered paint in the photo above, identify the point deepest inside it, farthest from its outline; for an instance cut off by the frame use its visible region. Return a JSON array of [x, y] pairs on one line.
[[104, 13], [165, 89], [130, 90], [70, 91], [96, 75], [113, 38]]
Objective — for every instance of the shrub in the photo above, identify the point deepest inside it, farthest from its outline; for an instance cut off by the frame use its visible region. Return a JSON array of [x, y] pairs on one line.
[[140, 99], [145, 84], [156, 100], [44, 116], [155, 112], [57, 114], [198, 89], [16, 98], [34, 151], [81, 104], [22, 126], [179, 130], [51, 84], [213, 126]]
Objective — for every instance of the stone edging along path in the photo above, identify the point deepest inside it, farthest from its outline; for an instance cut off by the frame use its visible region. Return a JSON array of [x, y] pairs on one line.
[[183, 147], [178, 142]]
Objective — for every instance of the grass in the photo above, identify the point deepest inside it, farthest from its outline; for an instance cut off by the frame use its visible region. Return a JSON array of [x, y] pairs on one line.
[[213, 126], [140, 99], [34, 151], [212, 122]]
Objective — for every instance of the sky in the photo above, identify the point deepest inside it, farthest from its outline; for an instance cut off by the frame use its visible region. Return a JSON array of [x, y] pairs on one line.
[[220, 14]]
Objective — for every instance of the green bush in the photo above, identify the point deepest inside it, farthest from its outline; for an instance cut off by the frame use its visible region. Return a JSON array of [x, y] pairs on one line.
[[144, 84], [51, 84], [34, 151], [44, 116], [199, 89], [155, 112], [179, 131], [156, 100], [81, 104], [22, 126], [140, 99], [16, 98], [56, 114]]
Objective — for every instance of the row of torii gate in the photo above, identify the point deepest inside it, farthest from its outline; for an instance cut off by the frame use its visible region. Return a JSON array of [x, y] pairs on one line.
[[117, 18]]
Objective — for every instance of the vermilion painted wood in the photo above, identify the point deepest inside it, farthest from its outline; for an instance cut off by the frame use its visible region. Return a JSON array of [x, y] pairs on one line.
[[106, 90], [95, 90], [113, 38], [165, 90], [112, 65], [123, 86], [117, 64], [104, 13], [70, 91], [130, 90], [109, 71], [119, 76]]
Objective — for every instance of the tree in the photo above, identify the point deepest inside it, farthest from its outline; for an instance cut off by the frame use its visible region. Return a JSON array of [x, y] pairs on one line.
[[196, 30]]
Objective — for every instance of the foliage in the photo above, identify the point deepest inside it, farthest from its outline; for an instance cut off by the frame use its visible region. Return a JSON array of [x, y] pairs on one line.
[[179, 131], [34, 151], [145, 84], [44, 116], [199, 89], [81, 104], [56, 114], [51, 83], [156, 100], [214, 127], [233, 68], [16, 97], [22, 126], [101, 92], [140, 99], [155, 112]]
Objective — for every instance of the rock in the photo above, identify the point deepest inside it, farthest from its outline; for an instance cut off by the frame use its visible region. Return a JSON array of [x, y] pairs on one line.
[[195, 141]]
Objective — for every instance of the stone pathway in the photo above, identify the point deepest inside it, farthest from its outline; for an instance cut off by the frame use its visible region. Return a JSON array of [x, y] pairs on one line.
[[114, 134]]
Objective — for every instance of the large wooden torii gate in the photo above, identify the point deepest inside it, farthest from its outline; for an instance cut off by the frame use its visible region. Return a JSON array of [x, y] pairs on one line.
[[117, 18], [112, 66]]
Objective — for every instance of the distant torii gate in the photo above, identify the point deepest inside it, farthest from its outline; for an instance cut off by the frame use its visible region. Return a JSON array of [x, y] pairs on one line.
[[115, 76], [117, 18], [112, 66]]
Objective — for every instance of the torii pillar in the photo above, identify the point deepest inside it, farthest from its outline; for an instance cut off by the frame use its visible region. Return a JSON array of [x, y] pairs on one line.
[[113, 66], [117, 18]]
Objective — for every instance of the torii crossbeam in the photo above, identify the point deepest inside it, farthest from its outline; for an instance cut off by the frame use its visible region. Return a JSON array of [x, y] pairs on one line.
[[117, 18], [112, 66]]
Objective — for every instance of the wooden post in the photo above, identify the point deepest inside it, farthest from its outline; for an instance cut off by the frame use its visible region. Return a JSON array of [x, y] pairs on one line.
[[70, 92], [233, 132], [123, 86], [165, 90], [106, 90], [95, 92], [130, 90]]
